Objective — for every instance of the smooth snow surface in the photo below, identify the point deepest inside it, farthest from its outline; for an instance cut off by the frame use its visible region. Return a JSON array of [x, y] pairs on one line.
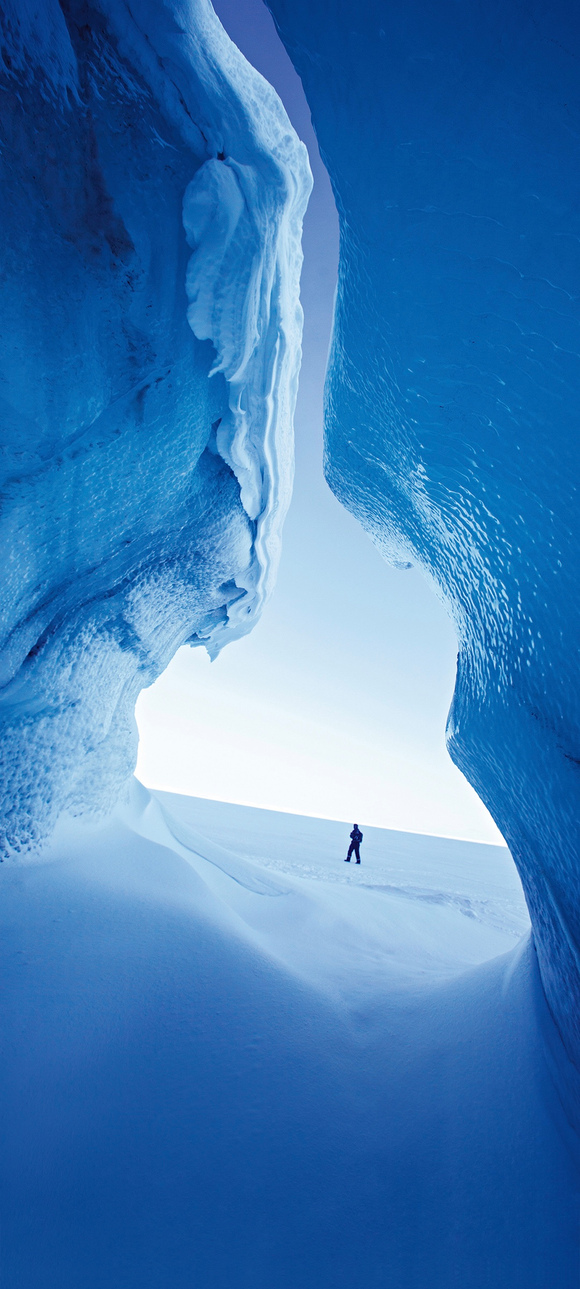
[[229, 1060], [152, 197]]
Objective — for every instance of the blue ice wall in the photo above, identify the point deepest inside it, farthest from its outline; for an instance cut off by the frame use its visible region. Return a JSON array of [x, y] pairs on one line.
[[152, 195], [451, 136]]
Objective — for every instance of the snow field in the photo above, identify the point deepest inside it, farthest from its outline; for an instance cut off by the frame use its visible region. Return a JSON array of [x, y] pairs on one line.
[[220, 1072]]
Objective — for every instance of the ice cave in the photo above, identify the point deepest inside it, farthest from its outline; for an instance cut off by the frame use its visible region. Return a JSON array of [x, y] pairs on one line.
[[222, 1065]]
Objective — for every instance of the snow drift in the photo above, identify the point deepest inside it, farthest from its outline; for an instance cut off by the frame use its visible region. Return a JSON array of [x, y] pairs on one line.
[[450, 134], [153, 192], [234, 1062]]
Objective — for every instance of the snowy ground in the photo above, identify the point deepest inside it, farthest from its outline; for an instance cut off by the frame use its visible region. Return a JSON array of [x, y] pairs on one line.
[[232, 1061], [418, 908]]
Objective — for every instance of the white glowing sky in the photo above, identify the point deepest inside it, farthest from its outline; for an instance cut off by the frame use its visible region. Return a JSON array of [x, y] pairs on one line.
[[336, 704]]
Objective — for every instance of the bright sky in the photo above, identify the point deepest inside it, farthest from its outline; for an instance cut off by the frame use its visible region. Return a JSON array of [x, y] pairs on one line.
[[336, 704]]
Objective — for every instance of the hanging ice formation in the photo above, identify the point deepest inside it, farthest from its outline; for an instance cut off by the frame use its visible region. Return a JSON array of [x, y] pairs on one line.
[[451, 136], [146, 470]]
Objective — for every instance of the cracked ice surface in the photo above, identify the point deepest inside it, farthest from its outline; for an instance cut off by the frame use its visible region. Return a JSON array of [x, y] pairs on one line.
[[153, 194]]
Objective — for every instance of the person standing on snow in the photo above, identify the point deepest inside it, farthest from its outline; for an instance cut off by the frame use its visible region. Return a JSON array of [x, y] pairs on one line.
[[355, 841]]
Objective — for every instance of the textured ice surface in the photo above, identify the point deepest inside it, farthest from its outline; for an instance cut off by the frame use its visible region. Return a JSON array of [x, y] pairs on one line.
[[152, 196], [451, 135]]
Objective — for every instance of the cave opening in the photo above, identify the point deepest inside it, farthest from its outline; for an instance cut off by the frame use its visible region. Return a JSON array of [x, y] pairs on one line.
[[336, 703]]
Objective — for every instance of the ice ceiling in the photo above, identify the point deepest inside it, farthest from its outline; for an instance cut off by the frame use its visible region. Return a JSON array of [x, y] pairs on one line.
[[153, 192]]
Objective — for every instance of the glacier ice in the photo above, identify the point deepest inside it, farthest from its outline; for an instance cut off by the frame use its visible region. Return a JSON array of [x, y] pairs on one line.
[[152, 198], [450, 134]]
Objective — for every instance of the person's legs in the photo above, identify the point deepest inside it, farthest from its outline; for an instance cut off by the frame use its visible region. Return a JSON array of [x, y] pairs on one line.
[[350, 850], [356, 845]]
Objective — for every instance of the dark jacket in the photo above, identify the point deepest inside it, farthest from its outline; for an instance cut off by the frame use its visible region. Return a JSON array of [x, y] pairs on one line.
[[356, 835]]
